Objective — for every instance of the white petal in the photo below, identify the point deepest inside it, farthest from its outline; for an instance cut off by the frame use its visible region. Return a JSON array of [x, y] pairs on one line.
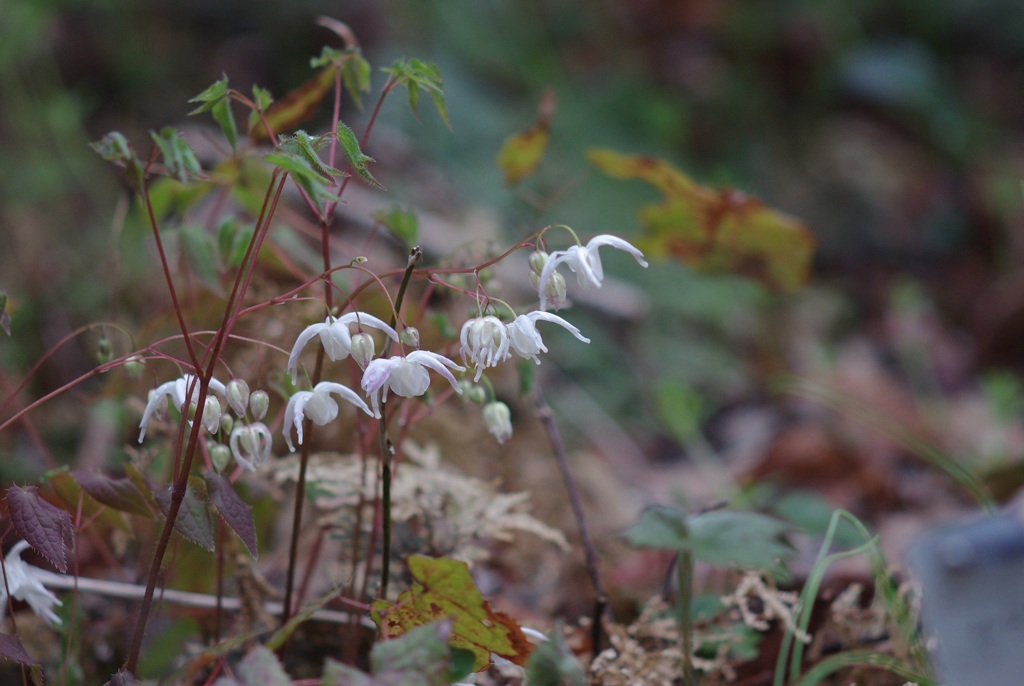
[[344, 392], [300, 343], [293, 414], [554, 259], [437, 363], [364, 319], [555, 319], [615, 242]]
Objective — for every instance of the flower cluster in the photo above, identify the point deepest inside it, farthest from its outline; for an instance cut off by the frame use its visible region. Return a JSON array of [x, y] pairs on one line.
[[485, 342]]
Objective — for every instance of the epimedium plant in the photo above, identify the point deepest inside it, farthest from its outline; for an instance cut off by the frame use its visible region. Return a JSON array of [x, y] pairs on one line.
[[213, 420]]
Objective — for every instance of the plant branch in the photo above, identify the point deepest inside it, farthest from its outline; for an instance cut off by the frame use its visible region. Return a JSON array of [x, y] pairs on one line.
[[590, 554]]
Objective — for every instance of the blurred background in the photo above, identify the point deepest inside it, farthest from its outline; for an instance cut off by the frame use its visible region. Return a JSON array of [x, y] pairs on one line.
[[892, 128]]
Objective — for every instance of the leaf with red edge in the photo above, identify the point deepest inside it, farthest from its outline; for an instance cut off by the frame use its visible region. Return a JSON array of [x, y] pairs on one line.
[[297, 106], [11, 648], [443, 588], [193, 520], [714, 230], [45, 527], [235, 512], [121, 494]]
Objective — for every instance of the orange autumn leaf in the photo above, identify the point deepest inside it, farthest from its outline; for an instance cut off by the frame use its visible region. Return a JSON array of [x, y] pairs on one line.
[[298, 105], [714, 230], [444, 589], [522, 151]]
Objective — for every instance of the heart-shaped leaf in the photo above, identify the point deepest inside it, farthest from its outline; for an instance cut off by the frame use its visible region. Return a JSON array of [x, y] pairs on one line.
[[235, 512], [45, 527]]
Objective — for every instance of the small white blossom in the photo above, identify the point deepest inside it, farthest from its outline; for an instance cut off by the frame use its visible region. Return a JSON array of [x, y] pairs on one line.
[[406, 376], [525, 338], [25, 586], [484, 343], [363, 349], [237, 394], [250, 445], [178, 392], [585, 262], [498, 420], [211, 414], [335, 337], [319, 406]]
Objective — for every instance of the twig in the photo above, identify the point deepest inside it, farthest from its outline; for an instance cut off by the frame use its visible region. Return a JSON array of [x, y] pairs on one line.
[[119, 589], [555, 438]]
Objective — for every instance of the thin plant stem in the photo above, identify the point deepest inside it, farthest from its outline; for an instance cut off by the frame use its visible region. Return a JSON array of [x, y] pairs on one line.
[[590, 554], [386, 448], [684, 570]]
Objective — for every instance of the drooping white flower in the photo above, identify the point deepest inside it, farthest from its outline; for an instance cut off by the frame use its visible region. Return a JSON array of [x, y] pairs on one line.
[[484, 343], [176, 391], [250, 444], [407, 376], [319, 406], [26, 586], [585, 262], [237, 394], [335, 336], [498, 420], [525, 338]]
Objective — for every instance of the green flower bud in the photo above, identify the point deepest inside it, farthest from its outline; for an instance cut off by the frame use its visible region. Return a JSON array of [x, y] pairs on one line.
[[410, 336], [237, 393], [220, 454], [259, 401]]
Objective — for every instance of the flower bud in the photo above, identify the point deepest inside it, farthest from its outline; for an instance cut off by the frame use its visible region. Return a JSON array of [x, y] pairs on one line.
[[104, 350], [259, 401], [498, 420], [237, 394], [477, 394], [227, 422], [410, 336], [363, 349], [554, 292], [538, 259], [211, 415], [134, 366], [220, 454]]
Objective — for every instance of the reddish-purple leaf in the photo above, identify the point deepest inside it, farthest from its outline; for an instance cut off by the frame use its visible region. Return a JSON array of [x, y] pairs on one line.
[[45, 527], [233, 510], [11, 648], [120, 494], [61, 486], [193, 520]]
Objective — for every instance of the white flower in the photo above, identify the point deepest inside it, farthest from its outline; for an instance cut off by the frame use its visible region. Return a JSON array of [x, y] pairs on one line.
[[24, 585], [498, 420], [178, 392], [585, 262], [335, 337], [525, 338], [406, 376], [485, 340], [250, 445], [318, 405]]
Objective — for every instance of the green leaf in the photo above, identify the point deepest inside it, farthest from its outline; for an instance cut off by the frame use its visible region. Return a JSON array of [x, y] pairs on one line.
[[193, 520], [443, 588], [300, 169], [355, 75], [215, 100], [260, 667], [415, 74], [350, 144], [263, 99], [201, 252], [226, 120], [402, 224], [307, 146], [114, 147], [680, 409], [419, 656], [339, 674], [233, 241], [722, 538], [553, 664], [235, 512], [178, 157], [213, 94]]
